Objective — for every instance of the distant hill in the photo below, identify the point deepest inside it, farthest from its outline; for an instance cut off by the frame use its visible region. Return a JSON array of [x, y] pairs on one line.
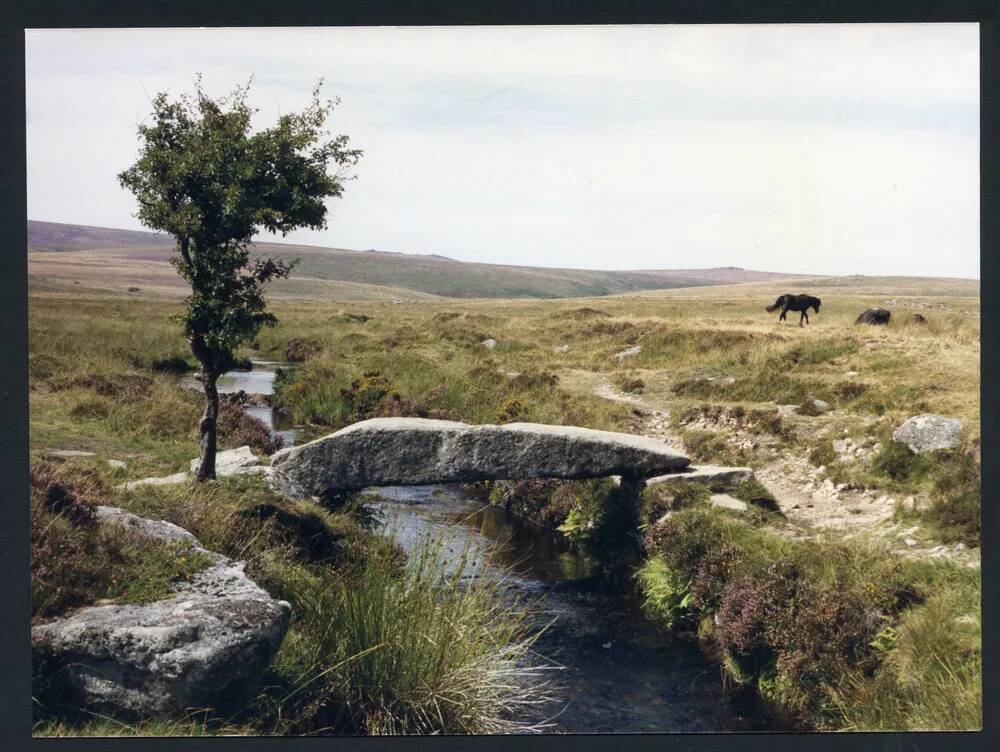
[[55, 248]]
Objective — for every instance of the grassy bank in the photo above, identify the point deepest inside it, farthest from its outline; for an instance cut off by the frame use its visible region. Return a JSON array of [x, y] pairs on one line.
[[845, 635]]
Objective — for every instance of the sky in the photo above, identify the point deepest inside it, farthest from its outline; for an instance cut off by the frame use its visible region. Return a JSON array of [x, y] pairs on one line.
[[827, 149]]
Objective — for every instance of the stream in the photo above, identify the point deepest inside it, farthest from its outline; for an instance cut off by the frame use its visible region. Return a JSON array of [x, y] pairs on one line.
[[612, 670]]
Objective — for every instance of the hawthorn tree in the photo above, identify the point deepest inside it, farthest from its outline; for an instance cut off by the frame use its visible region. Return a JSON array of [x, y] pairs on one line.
[[213, 183]]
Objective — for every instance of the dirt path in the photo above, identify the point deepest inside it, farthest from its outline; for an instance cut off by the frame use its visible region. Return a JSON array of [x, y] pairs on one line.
[[811, 506]]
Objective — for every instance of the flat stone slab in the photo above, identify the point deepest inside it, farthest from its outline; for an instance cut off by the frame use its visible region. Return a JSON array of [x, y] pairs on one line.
[[419, 451], [216, 634], [725, 501], [705, 474], [240, 461], [230, 461], [928, 432], [68, 453], [166, 480]]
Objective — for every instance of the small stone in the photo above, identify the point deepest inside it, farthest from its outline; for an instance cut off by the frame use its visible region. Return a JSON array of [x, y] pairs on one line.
[[629, 353], [852, 373], [489, 344], [560, 349], [960, 546], [117, 464], [606, 645], [725, 501], [909, 542]]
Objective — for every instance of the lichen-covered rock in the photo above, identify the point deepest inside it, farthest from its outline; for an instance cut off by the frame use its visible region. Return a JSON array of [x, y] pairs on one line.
[[418, 451], [925, 433], [214, 637], [874, 316]]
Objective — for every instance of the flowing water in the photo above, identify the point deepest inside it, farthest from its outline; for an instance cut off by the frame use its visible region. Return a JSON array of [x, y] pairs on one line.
[[615, 672], [612, 670], [258, 380]]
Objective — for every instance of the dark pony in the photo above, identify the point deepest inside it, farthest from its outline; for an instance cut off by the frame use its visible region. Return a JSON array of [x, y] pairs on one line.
[[794, 303]]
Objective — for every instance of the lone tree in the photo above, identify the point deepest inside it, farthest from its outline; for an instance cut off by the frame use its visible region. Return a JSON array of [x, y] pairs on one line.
[[204, 177]]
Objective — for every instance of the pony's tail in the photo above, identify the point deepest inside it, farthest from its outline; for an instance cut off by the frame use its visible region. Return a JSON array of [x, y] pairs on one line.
[[775, 307]]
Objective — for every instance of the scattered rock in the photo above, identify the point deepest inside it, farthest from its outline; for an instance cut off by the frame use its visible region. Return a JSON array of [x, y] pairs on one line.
[[560, 349], [230, 461], [629, 353], [68, 453], [489, 344], [926, 433], [419, 451], [874, 316], [705, 474], [725, 501], [214, 637], [167, 480]]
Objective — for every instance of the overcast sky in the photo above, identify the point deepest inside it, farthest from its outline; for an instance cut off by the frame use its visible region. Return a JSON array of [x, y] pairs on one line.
[[848, 149]]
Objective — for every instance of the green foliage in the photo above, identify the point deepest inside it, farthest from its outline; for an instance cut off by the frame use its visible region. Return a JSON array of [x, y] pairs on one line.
[[658, 499], [897, 461], [823, 454], [151, 569], [667, 596], [797, 619], [930, 678]]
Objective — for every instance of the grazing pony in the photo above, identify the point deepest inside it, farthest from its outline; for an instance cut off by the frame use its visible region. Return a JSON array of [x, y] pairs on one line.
[[794, 303]]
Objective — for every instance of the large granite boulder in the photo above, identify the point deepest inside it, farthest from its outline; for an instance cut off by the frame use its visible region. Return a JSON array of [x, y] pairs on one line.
[[925, 433], [418, 451], [212, 639]]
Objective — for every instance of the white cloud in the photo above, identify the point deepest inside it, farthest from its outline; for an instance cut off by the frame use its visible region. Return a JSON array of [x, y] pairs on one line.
[[836, 149]]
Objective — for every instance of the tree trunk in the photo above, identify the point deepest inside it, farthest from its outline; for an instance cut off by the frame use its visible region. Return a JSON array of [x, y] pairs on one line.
[[209, 421]]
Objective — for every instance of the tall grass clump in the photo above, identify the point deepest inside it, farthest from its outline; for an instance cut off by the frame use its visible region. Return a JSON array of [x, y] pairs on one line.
[[425, 649]]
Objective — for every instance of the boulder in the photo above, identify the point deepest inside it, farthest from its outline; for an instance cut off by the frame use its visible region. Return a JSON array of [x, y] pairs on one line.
[[211, 640], [419, 451], [925, 433], [874, 316]]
